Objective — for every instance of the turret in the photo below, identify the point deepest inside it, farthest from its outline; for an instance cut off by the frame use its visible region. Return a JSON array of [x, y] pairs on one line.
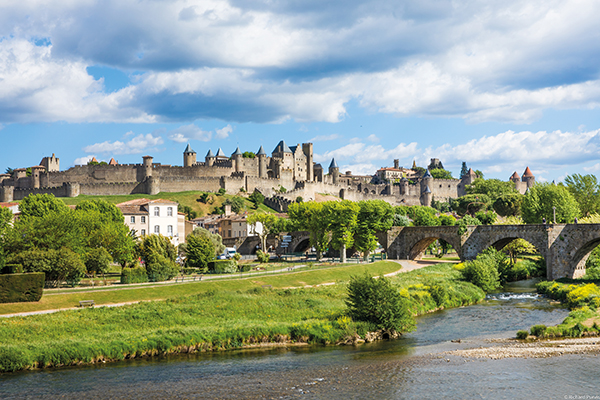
[[528, 178], [210, 158], [334, 171], [426, 196], [262, 163], [307, 148], [35, 175], [515, 177], [189, 156], [237, 157], [147, 165], [404, 186], [7, 194], [469, 177]]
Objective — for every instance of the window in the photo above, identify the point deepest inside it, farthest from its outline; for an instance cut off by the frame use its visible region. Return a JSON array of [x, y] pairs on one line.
[[229, 233], [133, 220], [170, 230], [143, 232], [143, 220], [156, 212], [156, 229], [169, 211]]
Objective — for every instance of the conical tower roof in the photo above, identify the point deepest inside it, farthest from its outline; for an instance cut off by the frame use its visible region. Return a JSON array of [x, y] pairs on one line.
[[210, 154], [515, 176], [112, 161], [237, 152], [333, 164], [220, 153], [261, 152], [427, 174], [282, 148], [527, 173], [427, 190], [188, 150]]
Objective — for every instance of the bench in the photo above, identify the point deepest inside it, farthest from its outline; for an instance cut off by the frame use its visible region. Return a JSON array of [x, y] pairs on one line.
[[83, 303], [267, 286]]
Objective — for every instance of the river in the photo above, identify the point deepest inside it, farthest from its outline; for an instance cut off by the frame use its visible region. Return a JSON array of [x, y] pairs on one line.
[[411, 367]]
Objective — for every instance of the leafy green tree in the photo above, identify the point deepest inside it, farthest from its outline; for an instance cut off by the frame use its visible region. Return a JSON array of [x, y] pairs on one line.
[[109, 211], [419, 170], [268, 222], [471, 204], [422, 216], [58, 265], [478, 173], [204, 198], [215, 239], [97, 261], [256, 198], [447, 220], [493, 188], [342, 218], [438, 173], [463, 169], [310, 216], [237, 204], [199, 252], [518, 247], [486, 217], [39, 205], [540, 200], [374, 216], [159, 255], [584, 189], [467, 220], [379, 303], [482, 272], [248, 154], [401, 220], [189, 212], [509, 204]]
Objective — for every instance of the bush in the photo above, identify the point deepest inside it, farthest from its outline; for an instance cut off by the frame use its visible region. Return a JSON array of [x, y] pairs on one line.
[[16, 288], [246, 267], [222, 266], [57, 265], [160, 268], [439, 294], [522, 334], [482, 272], [401, 220], [538, 330], [134, 275], [486, 217], [377, 302], [199, 252], [262, 257], [12, 269]]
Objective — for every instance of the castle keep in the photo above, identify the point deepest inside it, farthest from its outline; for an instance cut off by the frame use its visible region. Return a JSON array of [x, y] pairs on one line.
[[289, 167]]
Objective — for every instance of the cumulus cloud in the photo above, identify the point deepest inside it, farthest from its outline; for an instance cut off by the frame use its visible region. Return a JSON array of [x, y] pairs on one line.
[[190, 132], [224, 132], [136, 145], [325, 138], [83, 160]]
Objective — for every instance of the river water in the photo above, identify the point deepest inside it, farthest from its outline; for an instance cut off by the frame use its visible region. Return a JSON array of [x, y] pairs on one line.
[[411, 367]]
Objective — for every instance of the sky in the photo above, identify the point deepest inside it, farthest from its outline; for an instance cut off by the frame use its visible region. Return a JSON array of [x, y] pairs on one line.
[[500, 85]]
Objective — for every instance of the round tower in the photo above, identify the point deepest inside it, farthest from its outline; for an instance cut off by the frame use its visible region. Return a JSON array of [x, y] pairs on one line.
[[528, 178], [262, 163], [334, 171], [147, 165], [404, 186], [210, 158], [7, 194], [189, 156], [426, 181], [426, 197], [237, 157], [35, 175]]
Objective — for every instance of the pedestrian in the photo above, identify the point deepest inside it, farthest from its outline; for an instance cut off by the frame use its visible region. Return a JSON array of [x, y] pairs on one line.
[[544, 221]]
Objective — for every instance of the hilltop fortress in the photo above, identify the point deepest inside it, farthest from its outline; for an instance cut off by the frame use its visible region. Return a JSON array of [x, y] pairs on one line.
[[287, 174]]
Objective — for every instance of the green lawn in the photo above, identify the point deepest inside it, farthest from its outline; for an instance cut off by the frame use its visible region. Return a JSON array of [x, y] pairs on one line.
[[155, 292]]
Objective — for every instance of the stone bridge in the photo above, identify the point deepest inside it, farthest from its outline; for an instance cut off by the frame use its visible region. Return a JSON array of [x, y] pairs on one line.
[[565, 247]]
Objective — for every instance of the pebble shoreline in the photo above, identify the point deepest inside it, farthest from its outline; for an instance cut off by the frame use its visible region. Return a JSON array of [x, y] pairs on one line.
[[512, 348]]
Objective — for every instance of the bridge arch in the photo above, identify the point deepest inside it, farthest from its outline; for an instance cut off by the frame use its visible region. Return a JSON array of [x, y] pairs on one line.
[[417, 241]]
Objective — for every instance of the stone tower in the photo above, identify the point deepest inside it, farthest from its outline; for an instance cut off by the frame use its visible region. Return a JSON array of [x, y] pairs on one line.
[[147, 165], [210, 158], [237, 157], [426, 185], [528, 178], [52, 164], [426, 196], [404, 186], [307, 148], [334, 171], [189, 156], [35, 175], [262, 163]]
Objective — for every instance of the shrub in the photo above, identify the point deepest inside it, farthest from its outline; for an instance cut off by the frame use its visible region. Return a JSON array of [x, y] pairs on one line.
[[522, 334], [262, 257], [222, 266], [483, 273], [401, 220], [134, 275], [439, 294], [160, 268], [16, 288], [246, 267], [538, 330], [57, 265], [199, 252], [486, 217], [12, 269], [377, 302]]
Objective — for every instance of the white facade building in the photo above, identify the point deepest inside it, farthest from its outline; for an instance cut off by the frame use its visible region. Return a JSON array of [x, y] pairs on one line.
[[160, 217]]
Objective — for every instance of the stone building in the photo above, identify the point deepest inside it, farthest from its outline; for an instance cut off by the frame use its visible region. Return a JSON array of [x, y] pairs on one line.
[[159, 217]]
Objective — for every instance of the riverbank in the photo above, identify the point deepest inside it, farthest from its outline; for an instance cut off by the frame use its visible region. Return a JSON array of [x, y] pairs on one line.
[[513, 348], [213, 320]]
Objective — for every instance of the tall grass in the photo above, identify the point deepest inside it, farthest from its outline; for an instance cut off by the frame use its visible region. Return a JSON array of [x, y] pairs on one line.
[[213, 320]]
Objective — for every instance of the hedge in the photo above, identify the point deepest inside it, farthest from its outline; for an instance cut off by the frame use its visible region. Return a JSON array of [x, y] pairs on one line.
[[223, 266], [134, 275], [18, 288], [12, 269]]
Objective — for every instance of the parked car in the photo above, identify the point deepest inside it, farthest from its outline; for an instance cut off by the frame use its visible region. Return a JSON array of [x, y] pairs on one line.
[[228, 253]]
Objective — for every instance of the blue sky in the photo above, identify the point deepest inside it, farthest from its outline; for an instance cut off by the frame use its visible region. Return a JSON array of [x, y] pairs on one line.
[[501, 85]]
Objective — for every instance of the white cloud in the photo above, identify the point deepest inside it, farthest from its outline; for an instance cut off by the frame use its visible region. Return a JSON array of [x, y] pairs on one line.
[[373, 138], [83, 160], [325, 138], [189, 132], [593, 168], [136, 145], [224, 132], [347, 151], [360, 169]]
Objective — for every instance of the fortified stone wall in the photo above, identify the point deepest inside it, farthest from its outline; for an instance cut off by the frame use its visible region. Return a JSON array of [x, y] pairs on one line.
[[112, 189]]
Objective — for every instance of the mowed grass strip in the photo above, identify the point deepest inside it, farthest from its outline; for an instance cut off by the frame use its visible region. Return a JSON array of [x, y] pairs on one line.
[[159, 292]]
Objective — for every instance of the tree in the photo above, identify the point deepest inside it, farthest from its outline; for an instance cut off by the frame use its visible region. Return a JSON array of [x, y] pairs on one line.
[[97, 261], [439, 173], [204, 198], [584, 189], [478, 173], [493, 188], [518, 246], [423, 216], [471, 203], [39, 205], [268, 222], [215, 239], [486, 217], [374, 216], [159, 255], [401, 220], [256, 198], [379, 303], [107, 210], [463, 170], [310, 216], [540, 200], [509, 204], [58, 265], [342, 218], [189, 212], [419, 170], [248, 154], [237, 204], [199, 252]]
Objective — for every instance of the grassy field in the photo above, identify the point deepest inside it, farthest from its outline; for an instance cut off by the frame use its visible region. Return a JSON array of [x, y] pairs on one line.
[[219, 315], [156, 292], [183, 198]]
